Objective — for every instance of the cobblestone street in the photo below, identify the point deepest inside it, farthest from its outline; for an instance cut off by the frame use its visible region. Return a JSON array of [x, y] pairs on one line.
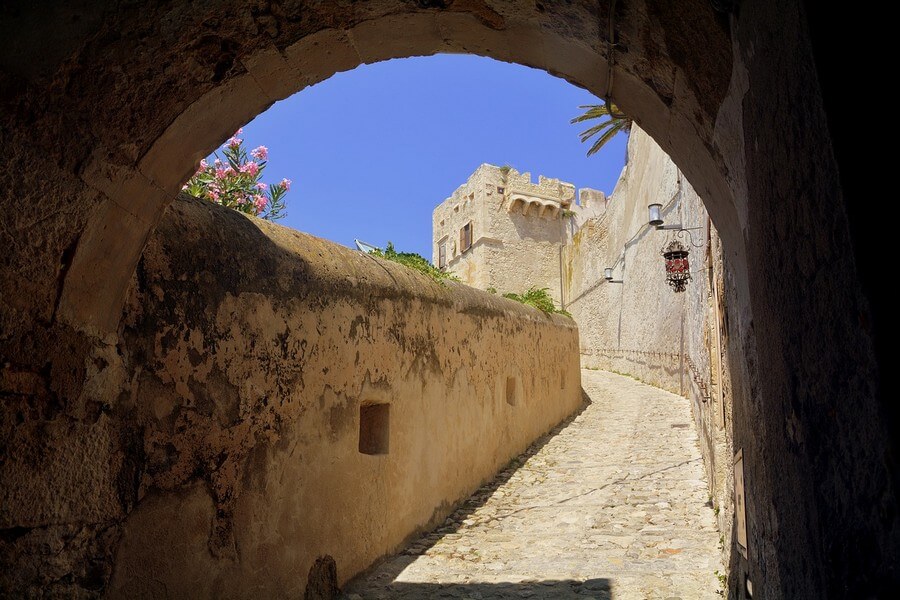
[[612, 505]]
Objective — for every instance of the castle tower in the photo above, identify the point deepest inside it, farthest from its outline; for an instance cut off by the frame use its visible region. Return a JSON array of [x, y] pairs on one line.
[[501, 231]]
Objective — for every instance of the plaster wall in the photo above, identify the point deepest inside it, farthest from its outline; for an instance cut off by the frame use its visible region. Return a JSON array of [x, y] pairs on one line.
[[241, 384], [642, 313]]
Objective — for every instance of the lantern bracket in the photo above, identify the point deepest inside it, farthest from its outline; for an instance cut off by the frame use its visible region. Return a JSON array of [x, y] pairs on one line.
[[608, 276], [681, 231], [656, 221], [677, 227]]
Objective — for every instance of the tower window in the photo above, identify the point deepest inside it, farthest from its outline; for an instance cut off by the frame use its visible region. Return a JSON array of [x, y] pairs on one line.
[[465, 237]]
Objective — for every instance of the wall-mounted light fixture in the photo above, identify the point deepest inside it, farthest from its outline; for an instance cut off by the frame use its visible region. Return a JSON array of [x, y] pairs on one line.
[[655, 215], [608, 276], [678, 271], [675, 253], [657, 221]]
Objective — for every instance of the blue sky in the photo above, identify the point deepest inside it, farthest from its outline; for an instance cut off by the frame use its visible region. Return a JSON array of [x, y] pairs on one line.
[[372, 151]]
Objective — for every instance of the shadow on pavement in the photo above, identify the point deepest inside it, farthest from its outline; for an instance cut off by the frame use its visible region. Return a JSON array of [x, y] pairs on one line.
[[390, 567], [594, 589]]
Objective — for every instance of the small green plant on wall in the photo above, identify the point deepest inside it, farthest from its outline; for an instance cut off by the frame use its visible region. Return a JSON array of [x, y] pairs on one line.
[[539, 298], [413, 261]]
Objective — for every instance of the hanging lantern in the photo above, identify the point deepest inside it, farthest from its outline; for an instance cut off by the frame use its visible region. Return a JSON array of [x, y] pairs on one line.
[[678, 272]]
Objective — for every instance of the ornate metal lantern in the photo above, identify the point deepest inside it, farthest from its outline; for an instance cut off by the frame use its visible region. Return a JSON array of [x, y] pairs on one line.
[[678, 271]]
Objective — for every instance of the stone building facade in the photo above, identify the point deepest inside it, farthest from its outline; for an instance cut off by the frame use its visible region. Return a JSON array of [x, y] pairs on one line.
[[634, 324], [501, 231]]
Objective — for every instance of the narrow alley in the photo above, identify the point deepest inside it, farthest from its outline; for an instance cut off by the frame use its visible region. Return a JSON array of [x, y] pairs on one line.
[[613, 504]]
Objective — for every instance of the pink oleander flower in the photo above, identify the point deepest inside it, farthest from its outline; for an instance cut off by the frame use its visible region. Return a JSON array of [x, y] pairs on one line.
[[260, 153], [251, 168], [239, 131], [233, 181], [260, 203]]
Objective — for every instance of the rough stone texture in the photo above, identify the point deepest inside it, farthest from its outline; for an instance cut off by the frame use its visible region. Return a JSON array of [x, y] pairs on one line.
[[807, 410], [612, 505], [640, 326], [106, 108], [322, 581], [519, 230], [230, 460]]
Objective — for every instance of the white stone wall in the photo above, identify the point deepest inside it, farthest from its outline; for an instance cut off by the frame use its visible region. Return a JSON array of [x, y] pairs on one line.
[[465, 205], [640, 326]]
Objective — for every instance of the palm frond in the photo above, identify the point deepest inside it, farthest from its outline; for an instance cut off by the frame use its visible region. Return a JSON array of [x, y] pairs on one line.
[[606, 129], [596, 129], [610, 133]]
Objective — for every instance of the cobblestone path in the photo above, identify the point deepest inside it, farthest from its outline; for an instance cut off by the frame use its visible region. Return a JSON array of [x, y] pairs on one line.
[[611, 505]]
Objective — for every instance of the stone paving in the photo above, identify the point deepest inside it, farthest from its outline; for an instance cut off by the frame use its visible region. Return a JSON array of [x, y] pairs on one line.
[[612, 505]]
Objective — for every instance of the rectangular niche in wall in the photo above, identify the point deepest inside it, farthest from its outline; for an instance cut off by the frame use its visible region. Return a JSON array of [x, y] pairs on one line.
[[512, 391], [374, 428]]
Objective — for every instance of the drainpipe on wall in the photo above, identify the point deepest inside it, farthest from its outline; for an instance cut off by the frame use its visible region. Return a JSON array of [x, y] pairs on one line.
[[562, 278]]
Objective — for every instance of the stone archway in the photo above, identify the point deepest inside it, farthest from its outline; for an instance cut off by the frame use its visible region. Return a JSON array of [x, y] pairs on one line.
[[108, 112], [666, 103]]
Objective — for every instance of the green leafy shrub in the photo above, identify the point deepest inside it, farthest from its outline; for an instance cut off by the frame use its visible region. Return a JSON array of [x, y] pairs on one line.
[[414, 261], [539, 298], [235, 181]]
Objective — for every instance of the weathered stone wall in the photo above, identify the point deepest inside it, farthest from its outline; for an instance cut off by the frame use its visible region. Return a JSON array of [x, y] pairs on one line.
[[466, 204], [530, 253], [232, 457], [514, 247], [642, 313], [642, 328]]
